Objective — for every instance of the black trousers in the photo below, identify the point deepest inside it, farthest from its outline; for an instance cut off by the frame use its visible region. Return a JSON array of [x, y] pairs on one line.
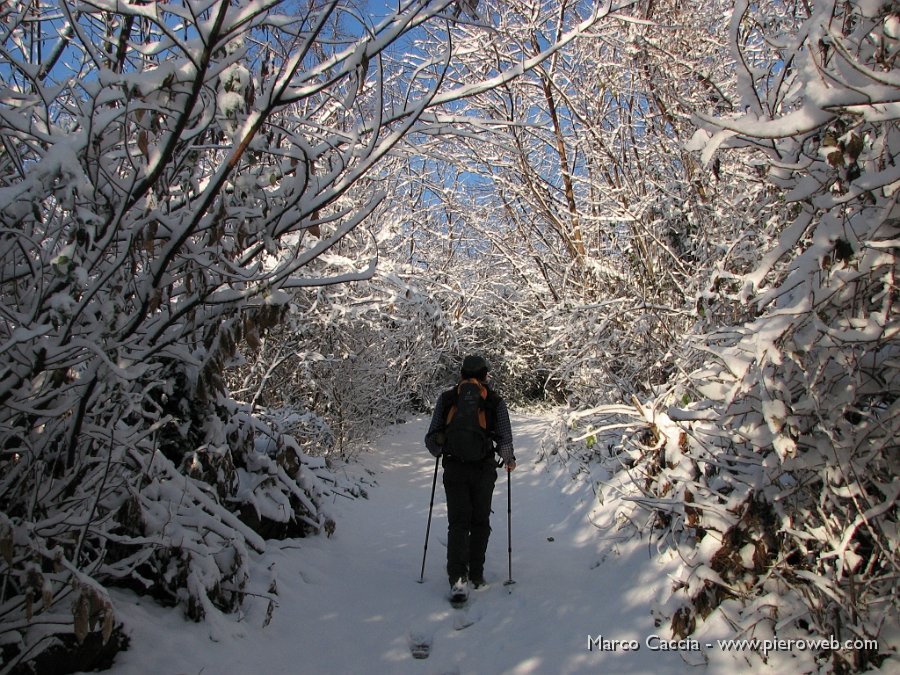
[[469, 489]]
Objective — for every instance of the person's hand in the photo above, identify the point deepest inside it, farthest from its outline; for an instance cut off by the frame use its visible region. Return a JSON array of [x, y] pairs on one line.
[[510, 467]]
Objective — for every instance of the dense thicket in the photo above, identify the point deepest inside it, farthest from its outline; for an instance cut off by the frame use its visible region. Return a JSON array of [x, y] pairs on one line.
[[773, 460], [769, 459], [575, 194], [176, 181]]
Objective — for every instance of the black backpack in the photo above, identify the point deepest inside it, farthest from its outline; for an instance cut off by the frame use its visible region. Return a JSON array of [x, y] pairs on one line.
[[467, 432]]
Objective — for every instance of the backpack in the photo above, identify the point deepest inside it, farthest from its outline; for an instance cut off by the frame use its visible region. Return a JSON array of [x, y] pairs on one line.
[[467, 437]]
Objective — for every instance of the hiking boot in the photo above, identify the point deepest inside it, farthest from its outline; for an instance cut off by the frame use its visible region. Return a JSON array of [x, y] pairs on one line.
[[459, 592], [478, 582]]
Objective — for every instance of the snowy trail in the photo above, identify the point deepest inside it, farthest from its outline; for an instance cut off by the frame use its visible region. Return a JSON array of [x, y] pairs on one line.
[[349, 604]]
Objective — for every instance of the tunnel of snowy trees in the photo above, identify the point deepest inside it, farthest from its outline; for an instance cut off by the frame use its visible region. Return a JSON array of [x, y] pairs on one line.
[[241, 236]]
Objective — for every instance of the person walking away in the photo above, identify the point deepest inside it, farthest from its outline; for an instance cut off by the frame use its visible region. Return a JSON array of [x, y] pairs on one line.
[[469, 426]]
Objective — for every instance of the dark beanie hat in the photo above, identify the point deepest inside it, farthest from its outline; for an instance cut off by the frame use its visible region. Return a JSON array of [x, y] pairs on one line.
[[475, 366]]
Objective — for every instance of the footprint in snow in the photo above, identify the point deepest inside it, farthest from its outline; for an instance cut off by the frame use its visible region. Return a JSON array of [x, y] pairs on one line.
[[467, 617], [420, 643]]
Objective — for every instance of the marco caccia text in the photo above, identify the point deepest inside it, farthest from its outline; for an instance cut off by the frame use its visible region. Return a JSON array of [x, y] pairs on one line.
[[654, 643]]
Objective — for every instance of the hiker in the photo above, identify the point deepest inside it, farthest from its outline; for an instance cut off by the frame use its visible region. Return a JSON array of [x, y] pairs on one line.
[[469, 471]]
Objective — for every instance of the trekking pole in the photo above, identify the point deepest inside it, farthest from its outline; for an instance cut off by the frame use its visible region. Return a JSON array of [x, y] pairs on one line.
[[430, 506], [509, 582]]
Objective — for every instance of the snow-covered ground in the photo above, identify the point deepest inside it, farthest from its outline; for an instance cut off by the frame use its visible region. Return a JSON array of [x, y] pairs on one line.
[[351, 603]]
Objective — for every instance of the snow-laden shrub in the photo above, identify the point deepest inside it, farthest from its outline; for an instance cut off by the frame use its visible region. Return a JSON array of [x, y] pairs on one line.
[[171, 508], [347, 361], [773, 467], [160, 202]]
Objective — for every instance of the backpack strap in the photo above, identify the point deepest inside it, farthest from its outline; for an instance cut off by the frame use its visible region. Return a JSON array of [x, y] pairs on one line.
[[491, 403]]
